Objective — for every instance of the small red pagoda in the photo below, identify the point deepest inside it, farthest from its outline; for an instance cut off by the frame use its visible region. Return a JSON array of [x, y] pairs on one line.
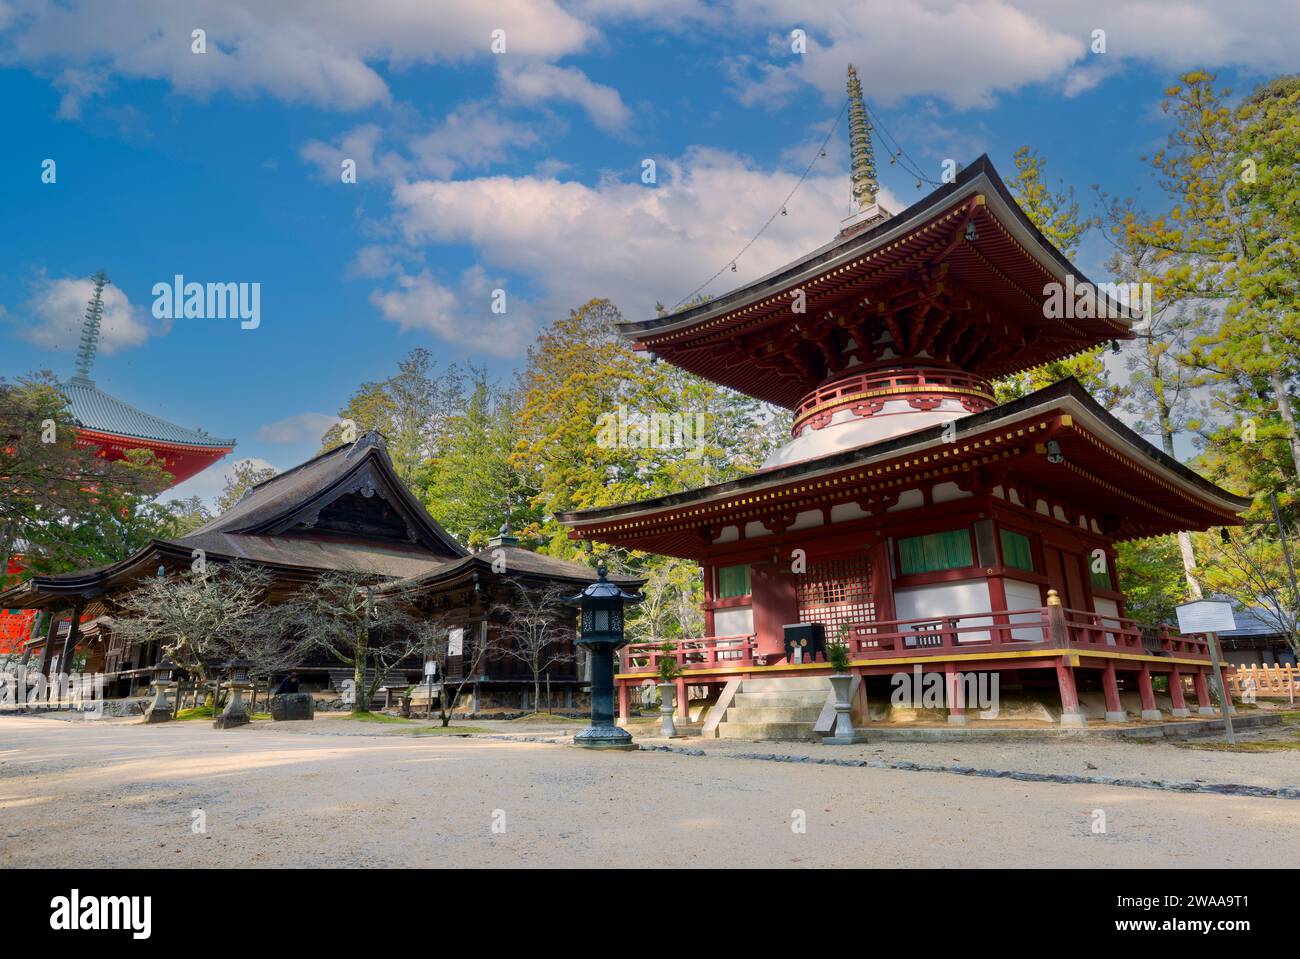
[[114, 428], [910, 517]]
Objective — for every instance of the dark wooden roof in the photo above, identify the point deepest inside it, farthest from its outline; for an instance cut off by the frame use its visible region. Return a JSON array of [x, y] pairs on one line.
[[519, 563], [343, 510]]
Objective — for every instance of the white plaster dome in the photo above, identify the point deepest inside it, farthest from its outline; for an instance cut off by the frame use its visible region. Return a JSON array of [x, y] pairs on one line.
[[870, 407]]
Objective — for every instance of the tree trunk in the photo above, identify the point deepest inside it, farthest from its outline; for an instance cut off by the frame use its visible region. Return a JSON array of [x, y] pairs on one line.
[[1184, 537], [360, 702], [1284, 409]]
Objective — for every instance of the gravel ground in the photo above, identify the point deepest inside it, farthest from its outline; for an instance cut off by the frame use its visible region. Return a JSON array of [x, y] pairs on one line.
[[341, 793]]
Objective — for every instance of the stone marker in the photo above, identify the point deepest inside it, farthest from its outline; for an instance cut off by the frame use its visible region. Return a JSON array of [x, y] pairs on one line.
[[287, 707]]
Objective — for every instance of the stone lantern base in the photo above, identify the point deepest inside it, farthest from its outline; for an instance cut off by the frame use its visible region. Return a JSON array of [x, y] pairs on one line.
[[159, 711], [235, 713]]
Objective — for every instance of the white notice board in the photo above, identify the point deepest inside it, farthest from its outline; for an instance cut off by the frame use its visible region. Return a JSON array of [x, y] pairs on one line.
[[1205, 616]]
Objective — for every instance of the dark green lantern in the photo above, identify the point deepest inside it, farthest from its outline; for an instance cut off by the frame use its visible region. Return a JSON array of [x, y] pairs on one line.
[[602, 605]]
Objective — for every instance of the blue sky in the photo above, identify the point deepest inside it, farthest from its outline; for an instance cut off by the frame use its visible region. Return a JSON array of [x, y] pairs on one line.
[[518, 170]]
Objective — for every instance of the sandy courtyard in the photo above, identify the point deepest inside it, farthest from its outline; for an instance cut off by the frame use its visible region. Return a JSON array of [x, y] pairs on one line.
[[336, 793]]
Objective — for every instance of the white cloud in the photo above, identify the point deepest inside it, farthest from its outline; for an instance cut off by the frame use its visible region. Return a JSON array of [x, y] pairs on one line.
[[57, 308], [299, 428], [635, 244], [471, 136], [533, 83], [462, 315], [968, 52], [318, 51]]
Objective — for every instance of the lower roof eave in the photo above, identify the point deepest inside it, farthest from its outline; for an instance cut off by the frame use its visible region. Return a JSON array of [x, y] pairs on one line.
[[1066, 399]]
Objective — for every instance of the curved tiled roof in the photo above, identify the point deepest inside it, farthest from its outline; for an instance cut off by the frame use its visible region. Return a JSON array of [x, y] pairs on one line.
[[93, 409]]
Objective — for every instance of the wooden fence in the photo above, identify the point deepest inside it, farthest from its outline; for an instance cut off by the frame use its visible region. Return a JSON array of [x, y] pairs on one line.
[[1264, 682]]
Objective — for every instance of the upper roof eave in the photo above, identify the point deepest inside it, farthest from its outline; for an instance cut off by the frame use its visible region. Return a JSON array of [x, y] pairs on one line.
[[978, 178]]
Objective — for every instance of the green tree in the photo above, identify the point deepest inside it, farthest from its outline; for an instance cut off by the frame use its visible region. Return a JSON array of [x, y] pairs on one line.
[[410, 410], [1055, 211], [474, 486], [244, 475], [64, 506]]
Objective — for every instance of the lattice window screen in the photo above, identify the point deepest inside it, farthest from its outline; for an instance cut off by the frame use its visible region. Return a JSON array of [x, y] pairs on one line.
[[836, 592]]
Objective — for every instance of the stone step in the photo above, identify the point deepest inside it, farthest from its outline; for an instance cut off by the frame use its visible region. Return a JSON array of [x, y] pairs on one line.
[[749, 714], [795, 700], [785, 684], [790, 732]]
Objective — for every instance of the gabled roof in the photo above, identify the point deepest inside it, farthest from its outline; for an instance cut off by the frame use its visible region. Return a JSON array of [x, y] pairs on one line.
[[296, 496], [273, 526], [93, 409]]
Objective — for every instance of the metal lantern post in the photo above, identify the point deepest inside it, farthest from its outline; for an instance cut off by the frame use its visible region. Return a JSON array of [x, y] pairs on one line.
[[602, 605]]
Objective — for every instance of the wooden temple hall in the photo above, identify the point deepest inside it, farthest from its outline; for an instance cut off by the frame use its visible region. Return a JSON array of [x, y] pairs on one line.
[[345, 510], [932, 530]]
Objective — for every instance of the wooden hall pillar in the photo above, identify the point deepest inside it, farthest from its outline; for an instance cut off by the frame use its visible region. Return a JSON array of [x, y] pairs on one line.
[[955, 695], [74, 634], [1203, 706], [1176, 693], [47, 652], [1148, 694], [1071, 715], [1110, 686]]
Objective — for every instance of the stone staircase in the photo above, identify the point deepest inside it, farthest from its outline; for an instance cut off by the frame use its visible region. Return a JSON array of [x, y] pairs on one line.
[[781, 708]]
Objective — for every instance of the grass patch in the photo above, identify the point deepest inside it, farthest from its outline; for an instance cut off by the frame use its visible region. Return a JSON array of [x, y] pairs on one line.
[[376, 718], [1251, 745], [1260, 746], [547, 718], [205, 712]]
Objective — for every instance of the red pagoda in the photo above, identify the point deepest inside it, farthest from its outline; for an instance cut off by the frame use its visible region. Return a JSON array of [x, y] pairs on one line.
[[932, 531], [114, 428]]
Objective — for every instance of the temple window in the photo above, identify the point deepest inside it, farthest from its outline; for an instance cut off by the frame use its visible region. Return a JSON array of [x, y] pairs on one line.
[[1017, 550], [836, 593], [935, 552], [733, 581]]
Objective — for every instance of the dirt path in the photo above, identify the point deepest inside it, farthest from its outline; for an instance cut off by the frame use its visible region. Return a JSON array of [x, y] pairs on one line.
[[113, 793]]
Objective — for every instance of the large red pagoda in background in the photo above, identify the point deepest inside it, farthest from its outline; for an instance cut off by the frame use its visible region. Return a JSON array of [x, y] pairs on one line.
[[114, 428], [909, 516]]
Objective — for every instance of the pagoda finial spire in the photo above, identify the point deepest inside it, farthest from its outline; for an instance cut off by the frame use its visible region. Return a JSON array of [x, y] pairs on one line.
[[862, 154], [90, 327]]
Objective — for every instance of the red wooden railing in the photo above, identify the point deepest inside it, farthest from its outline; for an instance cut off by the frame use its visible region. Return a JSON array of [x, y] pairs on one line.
[[704, 653], [1017, 629]]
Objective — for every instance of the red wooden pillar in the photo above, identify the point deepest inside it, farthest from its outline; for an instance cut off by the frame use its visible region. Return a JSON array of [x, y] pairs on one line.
[[708, 599], [1176, 693], [1148, 694], [1203, 694], [622, 704], [1110, 686], [955, 695], [1071, 715], [683, 705]]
